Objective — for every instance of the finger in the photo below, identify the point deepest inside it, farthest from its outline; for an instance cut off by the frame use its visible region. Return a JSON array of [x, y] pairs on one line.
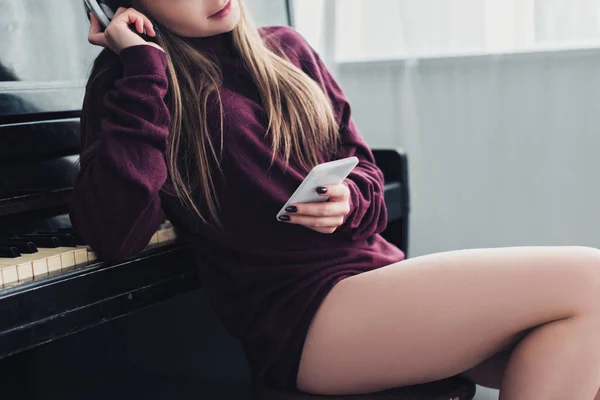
[[96, 35], [95, 26], [328, 230], [334, 192], [120, 11], [149, 27], [139, 24], [329, 209], [136, 18], [98, 39], [314, 222]]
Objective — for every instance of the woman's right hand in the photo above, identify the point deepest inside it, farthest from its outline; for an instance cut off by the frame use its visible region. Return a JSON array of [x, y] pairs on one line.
[[118, 36]]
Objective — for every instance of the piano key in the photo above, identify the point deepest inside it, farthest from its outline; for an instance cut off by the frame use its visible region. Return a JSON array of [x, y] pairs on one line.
[[73, 257], [90, 254], [39, 241], [10, 276], [70, 257], [24, 246], [9, 252], [66, 239], [92, 257], [172, 234], [57, 259], [154, 239], [72, 232], [53, 260], [166, 233], [162, 236], [38, 265], [46, 262], [67, 259], [81, 257], [40, 268], [25, 271]]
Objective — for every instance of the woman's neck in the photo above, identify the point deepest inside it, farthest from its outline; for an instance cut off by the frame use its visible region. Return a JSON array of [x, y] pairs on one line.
[[220, 45]]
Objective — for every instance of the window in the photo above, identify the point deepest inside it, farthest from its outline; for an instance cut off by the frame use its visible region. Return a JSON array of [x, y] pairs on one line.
[[391, 29]]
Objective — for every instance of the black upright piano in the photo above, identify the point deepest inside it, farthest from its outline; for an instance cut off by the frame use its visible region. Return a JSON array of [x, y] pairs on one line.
[[60, 306]]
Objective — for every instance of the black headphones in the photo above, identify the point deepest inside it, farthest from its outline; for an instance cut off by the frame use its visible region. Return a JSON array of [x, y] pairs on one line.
[[104, 10]]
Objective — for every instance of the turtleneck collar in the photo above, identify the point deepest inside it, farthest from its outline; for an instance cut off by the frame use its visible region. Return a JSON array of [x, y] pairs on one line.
[[220, 45]]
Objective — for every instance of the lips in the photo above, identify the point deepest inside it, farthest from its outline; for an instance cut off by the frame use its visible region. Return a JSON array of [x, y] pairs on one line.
[[222, 10]]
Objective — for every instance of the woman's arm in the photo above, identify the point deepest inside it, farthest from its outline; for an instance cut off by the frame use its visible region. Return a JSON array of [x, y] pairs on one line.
[[368, 214], [116, 206]]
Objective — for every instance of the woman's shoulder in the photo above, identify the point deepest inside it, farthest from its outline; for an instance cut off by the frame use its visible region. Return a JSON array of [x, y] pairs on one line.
[[288, 40]]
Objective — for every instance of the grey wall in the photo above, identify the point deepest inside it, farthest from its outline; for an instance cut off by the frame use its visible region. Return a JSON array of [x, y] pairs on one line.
[[268, 12], [503, 149]]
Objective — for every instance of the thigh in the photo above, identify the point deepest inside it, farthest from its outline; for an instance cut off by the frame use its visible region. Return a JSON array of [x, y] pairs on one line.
[[439, 315], [490, 372]]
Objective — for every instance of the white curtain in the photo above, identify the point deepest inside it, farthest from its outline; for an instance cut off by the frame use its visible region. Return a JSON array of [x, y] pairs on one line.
[[502, 146], [392, 29], [567, 20]]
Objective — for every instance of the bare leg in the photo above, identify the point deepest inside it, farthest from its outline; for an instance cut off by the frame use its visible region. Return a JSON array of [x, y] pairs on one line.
[[490, 372], [440, 315]]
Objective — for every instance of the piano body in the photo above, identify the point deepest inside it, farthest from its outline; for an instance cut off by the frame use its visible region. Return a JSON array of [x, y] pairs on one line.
[[51, 284]]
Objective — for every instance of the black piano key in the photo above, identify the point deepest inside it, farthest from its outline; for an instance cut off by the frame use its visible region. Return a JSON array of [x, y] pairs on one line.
[[73, 233], [9, 252], [66, 239], [40, 241], [24, 246]]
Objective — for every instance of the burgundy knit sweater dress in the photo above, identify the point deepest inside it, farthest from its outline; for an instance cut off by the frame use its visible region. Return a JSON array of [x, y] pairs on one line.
[[264, 278]]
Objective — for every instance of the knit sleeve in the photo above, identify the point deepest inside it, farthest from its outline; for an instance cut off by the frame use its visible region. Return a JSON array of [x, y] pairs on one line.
[[368, 213], [115, 206]]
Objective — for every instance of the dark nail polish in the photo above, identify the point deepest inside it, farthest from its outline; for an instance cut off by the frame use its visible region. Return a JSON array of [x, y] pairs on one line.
[[321, 190], [284, 218], [292, 209]]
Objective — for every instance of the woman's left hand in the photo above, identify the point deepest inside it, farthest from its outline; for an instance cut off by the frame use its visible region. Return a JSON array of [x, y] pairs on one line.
[[323, 217]]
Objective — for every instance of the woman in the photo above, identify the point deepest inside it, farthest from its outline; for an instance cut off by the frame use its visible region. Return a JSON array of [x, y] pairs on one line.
[[212, 125]]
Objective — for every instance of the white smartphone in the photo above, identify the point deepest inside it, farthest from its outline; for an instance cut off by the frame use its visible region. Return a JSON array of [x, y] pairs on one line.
[[329, 173]]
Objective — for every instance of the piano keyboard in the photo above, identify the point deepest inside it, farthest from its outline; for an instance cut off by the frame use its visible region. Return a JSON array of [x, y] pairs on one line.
[[56, 255]]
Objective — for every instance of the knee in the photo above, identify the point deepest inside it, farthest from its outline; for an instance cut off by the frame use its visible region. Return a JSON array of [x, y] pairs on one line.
[[586, 271], [589, 259]]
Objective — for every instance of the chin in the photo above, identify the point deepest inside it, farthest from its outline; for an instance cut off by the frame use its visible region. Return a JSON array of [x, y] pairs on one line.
[[229, 23], [203, 29]]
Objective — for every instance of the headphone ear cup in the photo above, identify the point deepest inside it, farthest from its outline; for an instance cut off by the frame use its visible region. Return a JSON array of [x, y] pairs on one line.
[[108, 11], [115, 4], [99, 9]]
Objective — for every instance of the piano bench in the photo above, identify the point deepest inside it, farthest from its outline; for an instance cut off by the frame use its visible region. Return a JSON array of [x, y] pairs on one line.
[[455, 388]]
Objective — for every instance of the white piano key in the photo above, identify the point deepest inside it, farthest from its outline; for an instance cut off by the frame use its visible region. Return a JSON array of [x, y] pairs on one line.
[[38, 265], [163, 236], [81, 257], [172, 234], [9, 270], [52, 258], [10, 275], [67, 258], [40, 268], [153, 239], [166, 233], [53, 261], [92, 256], [25, 271]]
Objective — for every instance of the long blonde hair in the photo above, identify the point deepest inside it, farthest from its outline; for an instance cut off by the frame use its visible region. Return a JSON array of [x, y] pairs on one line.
[[301, 121]]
